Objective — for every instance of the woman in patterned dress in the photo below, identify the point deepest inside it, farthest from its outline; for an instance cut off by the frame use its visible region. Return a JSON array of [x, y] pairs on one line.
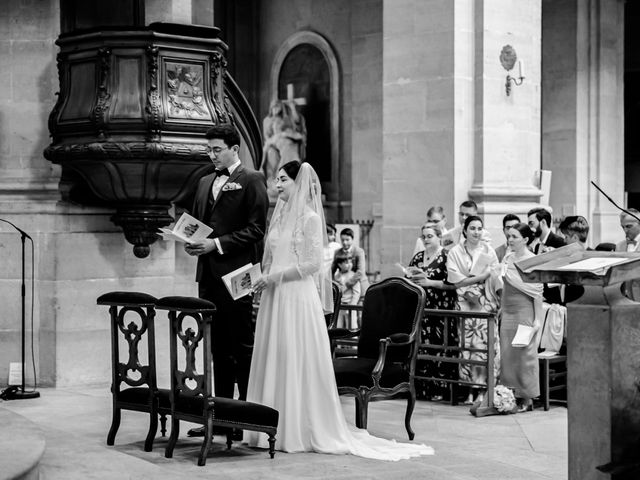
[[469, 267], [442, 296]]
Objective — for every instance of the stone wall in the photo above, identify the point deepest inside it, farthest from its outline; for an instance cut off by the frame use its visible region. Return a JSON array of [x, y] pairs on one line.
[[79, 253]]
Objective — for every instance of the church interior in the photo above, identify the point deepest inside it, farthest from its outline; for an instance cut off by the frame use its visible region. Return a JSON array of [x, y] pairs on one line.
[[402, 105]]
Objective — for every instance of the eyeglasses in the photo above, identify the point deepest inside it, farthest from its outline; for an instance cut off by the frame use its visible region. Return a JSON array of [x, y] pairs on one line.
[[216, 150]]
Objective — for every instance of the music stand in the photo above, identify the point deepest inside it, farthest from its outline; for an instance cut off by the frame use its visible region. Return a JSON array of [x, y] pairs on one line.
[[12, 393]]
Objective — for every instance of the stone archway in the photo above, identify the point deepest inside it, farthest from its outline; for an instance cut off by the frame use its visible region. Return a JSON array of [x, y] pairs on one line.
[[308, 62]]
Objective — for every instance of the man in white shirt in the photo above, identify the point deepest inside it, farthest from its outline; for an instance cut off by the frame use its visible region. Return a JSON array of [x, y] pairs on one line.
[[508, 221], [468, 208], [631, 227], [233, 201]]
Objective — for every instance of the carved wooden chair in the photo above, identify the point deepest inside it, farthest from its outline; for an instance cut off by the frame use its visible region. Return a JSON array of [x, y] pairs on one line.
[[191, 391], [336, 293], [133, 385], [387, 348]]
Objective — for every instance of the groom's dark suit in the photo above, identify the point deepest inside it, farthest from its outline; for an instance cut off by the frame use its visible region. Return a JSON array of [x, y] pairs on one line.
[[238, 217]]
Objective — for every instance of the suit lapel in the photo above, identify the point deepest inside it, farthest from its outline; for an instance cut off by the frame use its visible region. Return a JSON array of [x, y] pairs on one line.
[[234, 176]]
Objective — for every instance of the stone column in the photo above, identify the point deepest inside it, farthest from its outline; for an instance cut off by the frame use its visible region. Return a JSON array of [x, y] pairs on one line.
[[450, 132], [583, 110], [506, 128]]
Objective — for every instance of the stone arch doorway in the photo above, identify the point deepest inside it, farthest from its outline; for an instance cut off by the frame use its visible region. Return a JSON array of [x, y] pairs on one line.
[[306, 68]]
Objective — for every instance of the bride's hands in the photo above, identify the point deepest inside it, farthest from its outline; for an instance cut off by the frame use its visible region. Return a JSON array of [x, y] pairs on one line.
[[260, 284]]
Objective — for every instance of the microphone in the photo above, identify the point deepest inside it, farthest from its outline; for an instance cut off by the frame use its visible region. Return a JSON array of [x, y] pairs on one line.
[[22, 232]]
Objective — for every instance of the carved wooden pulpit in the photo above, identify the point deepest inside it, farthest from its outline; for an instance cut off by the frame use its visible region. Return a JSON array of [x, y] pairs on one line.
[[603, 358]]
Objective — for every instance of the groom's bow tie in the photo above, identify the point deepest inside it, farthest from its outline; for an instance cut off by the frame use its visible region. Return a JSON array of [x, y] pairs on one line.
[[221, 172]]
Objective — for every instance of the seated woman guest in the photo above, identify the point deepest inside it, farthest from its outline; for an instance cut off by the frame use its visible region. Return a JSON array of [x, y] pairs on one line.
[[469, 268], [441, 295], [521, 305]]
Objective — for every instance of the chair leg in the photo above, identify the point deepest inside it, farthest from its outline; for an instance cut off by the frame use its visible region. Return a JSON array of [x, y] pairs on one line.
[[163, 424], [411, 402], [361, 412], [206, 444], [153, 429], [175, 431], [272, 445], [115, 424], [229, 439], [544, 391]]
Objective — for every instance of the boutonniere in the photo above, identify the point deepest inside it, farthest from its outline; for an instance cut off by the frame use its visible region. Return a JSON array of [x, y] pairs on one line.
[[231, 186]]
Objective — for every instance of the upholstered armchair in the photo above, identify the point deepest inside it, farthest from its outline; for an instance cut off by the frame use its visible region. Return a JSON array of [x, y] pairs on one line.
[[388, 342]]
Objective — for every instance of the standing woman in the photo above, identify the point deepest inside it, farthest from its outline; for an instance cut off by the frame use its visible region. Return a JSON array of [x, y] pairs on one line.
[[291, 369], [469, 267], [521, 305], [442, 296]]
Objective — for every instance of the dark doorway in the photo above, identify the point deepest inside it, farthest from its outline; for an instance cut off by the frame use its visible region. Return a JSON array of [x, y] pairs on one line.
[[307, 70], [632, 103]]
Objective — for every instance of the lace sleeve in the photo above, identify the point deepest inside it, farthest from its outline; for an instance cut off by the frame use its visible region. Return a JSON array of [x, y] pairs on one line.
[[310, 258]]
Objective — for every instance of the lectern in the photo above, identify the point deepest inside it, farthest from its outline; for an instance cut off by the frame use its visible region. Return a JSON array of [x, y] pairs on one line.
[[603, 357]]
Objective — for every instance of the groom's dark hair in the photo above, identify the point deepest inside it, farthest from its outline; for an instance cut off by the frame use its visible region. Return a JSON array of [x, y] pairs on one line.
[[225, 132]]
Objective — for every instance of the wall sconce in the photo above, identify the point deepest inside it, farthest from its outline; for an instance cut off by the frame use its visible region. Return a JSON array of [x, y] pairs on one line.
[[508, 60]]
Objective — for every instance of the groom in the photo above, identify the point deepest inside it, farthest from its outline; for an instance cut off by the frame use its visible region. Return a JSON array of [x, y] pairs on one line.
[[233, 201]]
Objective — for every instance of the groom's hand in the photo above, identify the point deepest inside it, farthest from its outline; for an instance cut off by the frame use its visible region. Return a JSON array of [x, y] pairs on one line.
[[205, 246]]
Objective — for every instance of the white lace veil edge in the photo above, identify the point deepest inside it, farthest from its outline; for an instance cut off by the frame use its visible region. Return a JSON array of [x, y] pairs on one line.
[[289, 217]]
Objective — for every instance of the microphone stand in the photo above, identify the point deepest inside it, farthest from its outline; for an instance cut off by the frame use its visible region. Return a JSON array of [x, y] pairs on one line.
[[9, 393]]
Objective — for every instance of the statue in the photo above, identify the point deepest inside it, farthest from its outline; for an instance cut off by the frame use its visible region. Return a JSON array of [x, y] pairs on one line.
[[285, 139]]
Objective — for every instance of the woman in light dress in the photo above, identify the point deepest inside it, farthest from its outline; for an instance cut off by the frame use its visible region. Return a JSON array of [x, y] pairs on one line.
[[469, 267], [291, 369], [521, 305]]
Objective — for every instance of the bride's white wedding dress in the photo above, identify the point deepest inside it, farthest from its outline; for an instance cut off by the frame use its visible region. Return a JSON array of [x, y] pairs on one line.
[[291, 369]]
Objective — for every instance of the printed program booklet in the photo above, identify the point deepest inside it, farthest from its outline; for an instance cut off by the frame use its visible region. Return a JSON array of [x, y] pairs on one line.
[[523, 336], [240, 282], [411, 271], [179, 232]]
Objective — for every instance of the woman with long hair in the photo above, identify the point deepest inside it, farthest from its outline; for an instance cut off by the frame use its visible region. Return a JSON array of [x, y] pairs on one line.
[[291, 369]]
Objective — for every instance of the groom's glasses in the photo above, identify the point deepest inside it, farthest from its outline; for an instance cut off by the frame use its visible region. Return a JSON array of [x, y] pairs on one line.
[[216, 150]]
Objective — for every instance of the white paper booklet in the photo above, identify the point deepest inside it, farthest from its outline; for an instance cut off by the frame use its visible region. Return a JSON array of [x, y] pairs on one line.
[[481, 264], [187, 229], [411, 271], [523, 336], [240, 282]]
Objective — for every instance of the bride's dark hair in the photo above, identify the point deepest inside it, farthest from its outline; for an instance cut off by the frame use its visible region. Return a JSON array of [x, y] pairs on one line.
[[291, 169]]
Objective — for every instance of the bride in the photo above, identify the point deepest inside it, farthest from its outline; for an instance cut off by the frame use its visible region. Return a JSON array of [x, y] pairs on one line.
[[291, 369]]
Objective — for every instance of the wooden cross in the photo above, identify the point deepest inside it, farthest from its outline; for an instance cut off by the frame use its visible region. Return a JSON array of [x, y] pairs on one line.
[[290, 98]]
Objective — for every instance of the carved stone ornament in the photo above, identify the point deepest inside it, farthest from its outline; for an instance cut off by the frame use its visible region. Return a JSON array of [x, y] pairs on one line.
[[129, 122], [508, 57]]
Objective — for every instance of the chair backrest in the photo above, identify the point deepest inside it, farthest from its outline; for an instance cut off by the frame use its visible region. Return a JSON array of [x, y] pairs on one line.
[[190, 332], [137, 371], [337, 298], [391, 306]]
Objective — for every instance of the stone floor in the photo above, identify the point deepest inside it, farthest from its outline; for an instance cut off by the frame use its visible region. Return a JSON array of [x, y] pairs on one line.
[[525, 446]]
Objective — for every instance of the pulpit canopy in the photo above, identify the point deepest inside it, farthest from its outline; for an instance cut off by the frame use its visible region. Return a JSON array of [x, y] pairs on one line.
[[128, 126]]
